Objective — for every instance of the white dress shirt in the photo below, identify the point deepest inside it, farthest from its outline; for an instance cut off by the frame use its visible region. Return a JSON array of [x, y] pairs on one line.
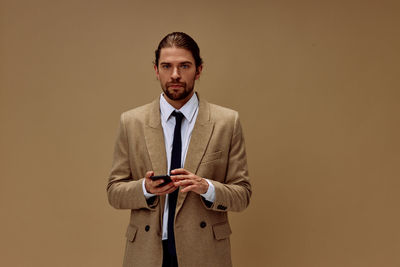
[[190, 111]]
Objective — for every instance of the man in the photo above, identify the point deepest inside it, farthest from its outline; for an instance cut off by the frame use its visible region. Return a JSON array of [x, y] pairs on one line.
[[183, 222]]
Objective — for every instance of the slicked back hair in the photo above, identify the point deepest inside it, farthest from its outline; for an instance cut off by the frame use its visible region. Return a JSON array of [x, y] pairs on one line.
[[179, 40]]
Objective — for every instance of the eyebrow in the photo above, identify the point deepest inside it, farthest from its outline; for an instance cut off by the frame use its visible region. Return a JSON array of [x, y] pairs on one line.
[[184, 62]]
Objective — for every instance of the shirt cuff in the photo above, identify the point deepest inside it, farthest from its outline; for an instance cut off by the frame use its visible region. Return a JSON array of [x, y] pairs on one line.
[[210, 194], [147, 195]]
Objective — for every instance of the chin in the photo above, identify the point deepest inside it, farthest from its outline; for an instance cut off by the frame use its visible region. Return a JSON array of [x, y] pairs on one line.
[[176, 95]]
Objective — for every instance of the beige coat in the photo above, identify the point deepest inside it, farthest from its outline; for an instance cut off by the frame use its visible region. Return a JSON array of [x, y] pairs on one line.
[[216, 152]]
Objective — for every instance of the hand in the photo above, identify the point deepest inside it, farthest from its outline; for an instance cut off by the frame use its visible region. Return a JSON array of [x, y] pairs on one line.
[[189, 181], [151, 186]]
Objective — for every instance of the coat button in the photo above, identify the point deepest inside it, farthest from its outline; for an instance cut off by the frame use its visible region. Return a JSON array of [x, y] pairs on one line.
[[147, 228], [203, 224]]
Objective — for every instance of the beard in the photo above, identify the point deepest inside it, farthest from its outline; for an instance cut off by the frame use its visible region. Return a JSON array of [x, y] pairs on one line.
[[177, 93]]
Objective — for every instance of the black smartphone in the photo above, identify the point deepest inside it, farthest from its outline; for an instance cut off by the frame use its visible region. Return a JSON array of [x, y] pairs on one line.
[[166, 178]]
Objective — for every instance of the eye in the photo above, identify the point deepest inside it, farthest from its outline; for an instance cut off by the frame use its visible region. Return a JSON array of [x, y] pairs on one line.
[[165, 66], [185, 66]]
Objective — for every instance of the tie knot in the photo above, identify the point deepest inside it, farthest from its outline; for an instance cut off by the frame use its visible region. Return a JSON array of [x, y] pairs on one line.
[[178, 116]]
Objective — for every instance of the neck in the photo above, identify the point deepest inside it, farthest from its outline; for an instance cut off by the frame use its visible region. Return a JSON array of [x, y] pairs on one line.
[[177, 104]]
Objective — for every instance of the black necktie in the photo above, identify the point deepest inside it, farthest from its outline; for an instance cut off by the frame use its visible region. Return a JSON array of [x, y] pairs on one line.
[[175, 164]]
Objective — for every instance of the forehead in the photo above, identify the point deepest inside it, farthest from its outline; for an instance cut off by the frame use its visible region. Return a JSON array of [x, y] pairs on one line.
[[175, 55]]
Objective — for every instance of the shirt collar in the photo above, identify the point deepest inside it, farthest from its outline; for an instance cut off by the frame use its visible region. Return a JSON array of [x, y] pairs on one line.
[[188, 110]]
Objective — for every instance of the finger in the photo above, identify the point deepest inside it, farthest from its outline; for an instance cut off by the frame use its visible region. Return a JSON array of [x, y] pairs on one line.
[[184, 182], [157, 182], [149, 174], [180, 171], [148, 182], [166, 189], [180, 177], [189, 188]]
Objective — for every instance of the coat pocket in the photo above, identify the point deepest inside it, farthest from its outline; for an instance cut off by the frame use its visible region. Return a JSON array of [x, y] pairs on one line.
[[221, 230], [131, 232], [211, 156]]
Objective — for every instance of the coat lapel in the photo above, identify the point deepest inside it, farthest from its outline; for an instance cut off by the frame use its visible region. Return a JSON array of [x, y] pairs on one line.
[[154, 137], [201, 135]]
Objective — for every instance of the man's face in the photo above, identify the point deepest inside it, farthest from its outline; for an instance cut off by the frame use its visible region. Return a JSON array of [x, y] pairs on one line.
[[177, 73]]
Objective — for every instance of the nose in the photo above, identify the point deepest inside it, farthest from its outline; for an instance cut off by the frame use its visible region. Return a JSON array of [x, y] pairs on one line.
[[175, 74]]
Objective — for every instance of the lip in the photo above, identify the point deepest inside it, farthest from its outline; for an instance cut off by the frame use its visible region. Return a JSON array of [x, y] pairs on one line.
[[175, 86]]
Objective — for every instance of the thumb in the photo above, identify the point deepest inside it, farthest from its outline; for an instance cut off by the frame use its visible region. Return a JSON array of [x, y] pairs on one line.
[[149, 174]]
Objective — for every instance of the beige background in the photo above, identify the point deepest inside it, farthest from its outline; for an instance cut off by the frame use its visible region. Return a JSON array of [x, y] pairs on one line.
[[317, 87]]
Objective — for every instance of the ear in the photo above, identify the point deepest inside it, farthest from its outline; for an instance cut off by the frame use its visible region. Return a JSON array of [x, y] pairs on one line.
[[156, 70], [198, 71]]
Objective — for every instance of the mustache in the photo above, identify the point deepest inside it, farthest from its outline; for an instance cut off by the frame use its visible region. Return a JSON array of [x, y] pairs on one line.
[[176, 83]]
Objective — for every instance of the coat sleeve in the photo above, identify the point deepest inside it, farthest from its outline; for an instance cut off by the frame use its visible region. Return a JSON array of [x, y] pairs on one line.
[[235, 192], [123, 191]]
